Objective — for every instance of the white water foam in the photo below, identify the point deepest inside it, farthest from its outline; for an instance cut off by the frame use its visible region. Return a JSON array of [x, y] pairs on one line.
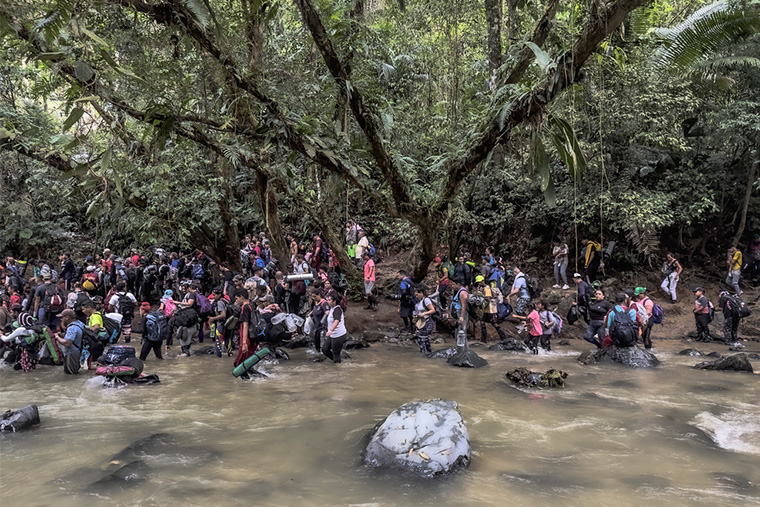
[[736, 431]]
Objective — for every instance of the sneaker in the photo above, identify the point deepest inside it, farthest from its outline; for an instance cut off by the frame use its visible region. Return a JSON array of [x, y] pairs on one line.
[[565, 287], [555, 286], [738, 345]]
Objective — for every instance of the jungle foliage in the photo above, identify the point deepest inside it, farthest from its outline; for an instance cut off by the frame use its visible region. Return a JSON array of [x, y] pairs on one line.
[[462, 123]]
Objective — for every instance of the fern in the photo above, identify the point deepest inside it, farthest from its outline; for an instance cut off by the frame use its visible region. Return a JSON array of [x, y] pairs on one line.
[[647, 243]]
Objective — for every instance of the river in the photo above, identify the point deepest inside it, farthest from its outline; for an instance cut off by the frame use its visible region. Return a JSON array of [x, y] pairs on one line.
[[613, 436]]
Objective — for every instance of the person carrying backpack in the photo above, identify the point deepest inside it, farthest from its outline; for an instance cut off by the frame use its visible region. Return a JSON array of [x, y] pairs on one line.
[[621, 323], [520, 290], [535, 331], [493, 298], [155, 329], [672, 270], [644, 307], [407, 302], [123, 303], [732, 314], [549, 324], [71, 342], [49, 301], [702, 316], [423, 318]]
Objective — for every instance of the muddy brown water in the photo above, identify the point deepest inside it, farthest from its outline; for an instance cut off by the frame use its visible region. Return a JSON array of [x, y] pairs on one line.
[[613, 436]]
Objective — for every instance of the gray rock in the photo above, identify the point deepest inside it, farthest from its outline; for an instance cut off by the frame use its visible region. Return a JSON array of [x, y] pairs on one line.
[[753, 356], [527, 378], [20, 420], [443, 354], [358, 343], [208, 350], [125, 476], [632, 357], [467, 359], [690, 352], [428, 438], [510, 344], [299, 341], [737, 362], [374, 336], [564, 343], [714, 354]]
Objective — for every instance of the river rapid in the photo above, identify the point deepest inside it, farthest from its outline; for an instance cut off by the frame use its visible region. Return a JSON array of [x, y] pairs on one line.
[[613, 436]]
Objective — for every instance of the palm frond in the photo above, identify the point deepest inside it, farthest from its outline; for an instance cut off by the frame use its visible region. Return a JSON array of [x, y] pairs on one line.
[[704, 33]]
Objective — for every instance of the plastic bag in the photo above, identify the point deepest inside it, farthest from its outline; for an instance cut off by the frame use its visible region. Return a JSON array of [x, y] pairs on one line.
[[572, 315]]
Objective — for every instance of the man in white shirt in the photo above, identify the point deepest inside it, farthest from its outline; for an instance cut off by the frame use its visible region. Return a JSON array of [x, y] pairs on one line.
[[362, 246]]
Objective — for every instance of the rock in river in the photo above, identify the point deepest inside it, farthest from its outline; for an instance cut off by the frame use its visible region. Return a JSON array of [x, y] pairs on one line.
[[467, 359], [737, 362], [510, 344], [425, 437], [525, 377], [20, 420], [633, 357]]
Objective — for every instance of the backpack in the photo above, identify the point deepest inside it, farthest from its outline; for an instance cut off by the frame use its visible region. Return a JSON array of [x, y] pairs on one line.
[[324, 251], [623, 330], [371, 250], [533, 286], [92, 277], [738, 307], [169, 309], [503, 310], [256, 326], [126, 305], [197, 272], [657, 313], [476, 306], [497, 278], [407, 295], [156, 327], [112, 328], [53, 300], [438, 315], [81, 298], [557, 323], [204, 305], [186, 317], [710, 311], [641, 312]]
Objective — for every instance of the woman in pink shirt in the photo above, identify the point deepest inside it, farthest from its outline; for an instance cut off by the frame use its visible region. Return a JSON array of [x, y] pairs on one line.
[[369, 281], [534, 327]]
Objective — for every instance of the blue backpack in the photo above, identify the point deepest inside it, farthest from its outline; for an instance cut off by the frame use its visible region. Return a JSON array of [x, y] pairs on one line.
[[156, 327], [197, 271], [657, 313], [371, 250], [497, 276]]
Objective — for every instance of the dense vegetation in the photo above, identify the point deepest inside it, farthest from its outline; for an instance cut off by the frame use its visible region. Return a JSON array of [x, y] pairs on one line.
[[464, 122]]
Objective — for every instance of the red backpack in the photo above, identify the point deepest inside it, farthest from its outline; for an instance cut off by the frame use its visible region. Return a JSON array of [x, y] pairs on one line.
[[53, 302]]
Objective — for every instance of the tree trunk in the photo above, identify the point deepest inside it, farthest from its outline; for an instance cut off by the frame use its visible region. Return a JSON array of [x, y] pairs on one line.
[[751, 175], [423, 252], [493, 25], [230, 246], [512, 16], [265, 188]]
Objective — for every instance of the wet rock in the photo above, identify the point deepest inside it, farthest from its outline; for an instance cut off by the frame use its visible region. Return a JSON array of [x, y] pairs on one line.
[[527, 378], [690, 352], [737, 362], [564, 343], [714, 354], [735, 481], [357, 343], [425, 437], [443, 354], [753, 356], [204, 351], [152, 445], [20, 420], [373, 336], [510, 344], [632, 357], [467, 359], [299, 341], [125, 476]]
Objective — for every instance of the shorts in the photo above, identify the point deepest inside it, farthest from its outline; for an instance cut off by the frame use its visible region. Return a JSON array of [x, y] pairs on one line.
[[368, 286]]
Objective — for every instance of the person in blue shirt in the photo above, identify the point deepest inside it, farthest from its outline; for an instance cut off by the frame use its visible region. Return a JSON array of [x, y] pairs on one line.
[[72, 340], [622, 304], [407, 302]]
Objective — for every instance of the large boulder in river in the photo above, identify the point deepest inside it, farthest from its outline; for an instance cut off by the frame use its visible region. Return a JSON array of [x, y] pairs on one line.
[[467, 359], [443, 353], [737, 362], [20, 420], [632, 357], [425, 437], [527, 378]]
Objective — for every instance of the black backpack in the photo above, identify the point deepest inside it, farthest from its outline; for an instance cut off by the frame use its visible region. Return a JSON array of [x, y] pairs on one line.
[[126, 305], [623, 331], [156, 327], [738, 307], [256, 326], [53, 300], [533, 286]]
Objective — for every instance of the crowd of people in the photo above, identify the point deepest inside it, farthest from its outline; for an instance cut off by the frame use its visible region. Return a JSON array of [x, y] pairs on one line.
[[167, 296]]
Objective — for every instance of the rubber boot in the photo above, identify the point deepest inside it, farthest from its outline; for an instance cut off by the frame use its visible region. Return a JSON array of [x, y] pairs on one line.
[[502, 334], [483, 333]]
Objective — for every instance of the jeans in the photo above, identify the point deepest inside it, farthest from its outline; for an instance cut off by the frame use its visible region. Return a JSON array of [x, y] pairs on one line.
[[669, 285], [595, 327], [732, 280], [560, 271], [333, 346]]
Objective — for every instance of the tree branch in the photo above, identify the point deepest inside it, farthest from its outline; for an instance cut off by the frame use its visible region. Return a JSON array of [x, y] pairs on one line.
[[601, 23], [540, 34]]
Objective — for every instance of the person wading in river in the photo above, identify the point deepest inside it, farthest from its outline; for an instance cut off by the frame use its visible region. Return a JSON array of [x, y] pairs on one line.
[[423, 313], [336, 334], [702, 316]]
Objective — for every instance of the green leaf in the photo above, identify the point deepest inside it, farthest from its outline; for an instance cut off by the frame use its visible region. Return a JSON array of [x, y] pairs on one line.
[[83, 72], [94, 37], [105, 161], [542, 57], [74, 116], [550, 194]]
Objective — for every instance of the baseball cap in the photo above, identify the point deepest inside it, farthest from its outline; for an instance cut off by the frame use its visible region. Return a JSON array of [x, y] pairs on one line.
[[437, 259], [639, 290], [145, 306], [577, 275], [47, 275], [68, 312], [700, 289], [479, 278]]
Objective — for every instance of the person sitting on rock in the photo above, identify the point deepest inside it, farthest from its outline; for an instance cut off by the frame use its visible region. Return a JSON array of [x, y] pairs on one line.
[[597, 312]]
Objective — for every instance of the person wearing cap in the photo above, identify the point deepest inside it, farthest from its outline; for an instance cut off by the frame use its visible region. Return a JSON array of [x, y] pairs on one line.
[[71, 341], [645, 305], [702, 315], [520, 289], [621, 306]]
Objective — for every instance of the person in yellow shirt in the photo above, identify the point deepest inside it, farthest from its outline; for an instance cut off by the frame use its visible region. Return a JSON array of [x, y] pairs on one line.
[[734, 269]]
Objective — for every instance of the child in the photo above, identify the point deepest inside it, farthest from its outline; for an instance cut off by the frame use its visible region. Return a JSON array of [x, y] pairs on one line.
[[534, 327]]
